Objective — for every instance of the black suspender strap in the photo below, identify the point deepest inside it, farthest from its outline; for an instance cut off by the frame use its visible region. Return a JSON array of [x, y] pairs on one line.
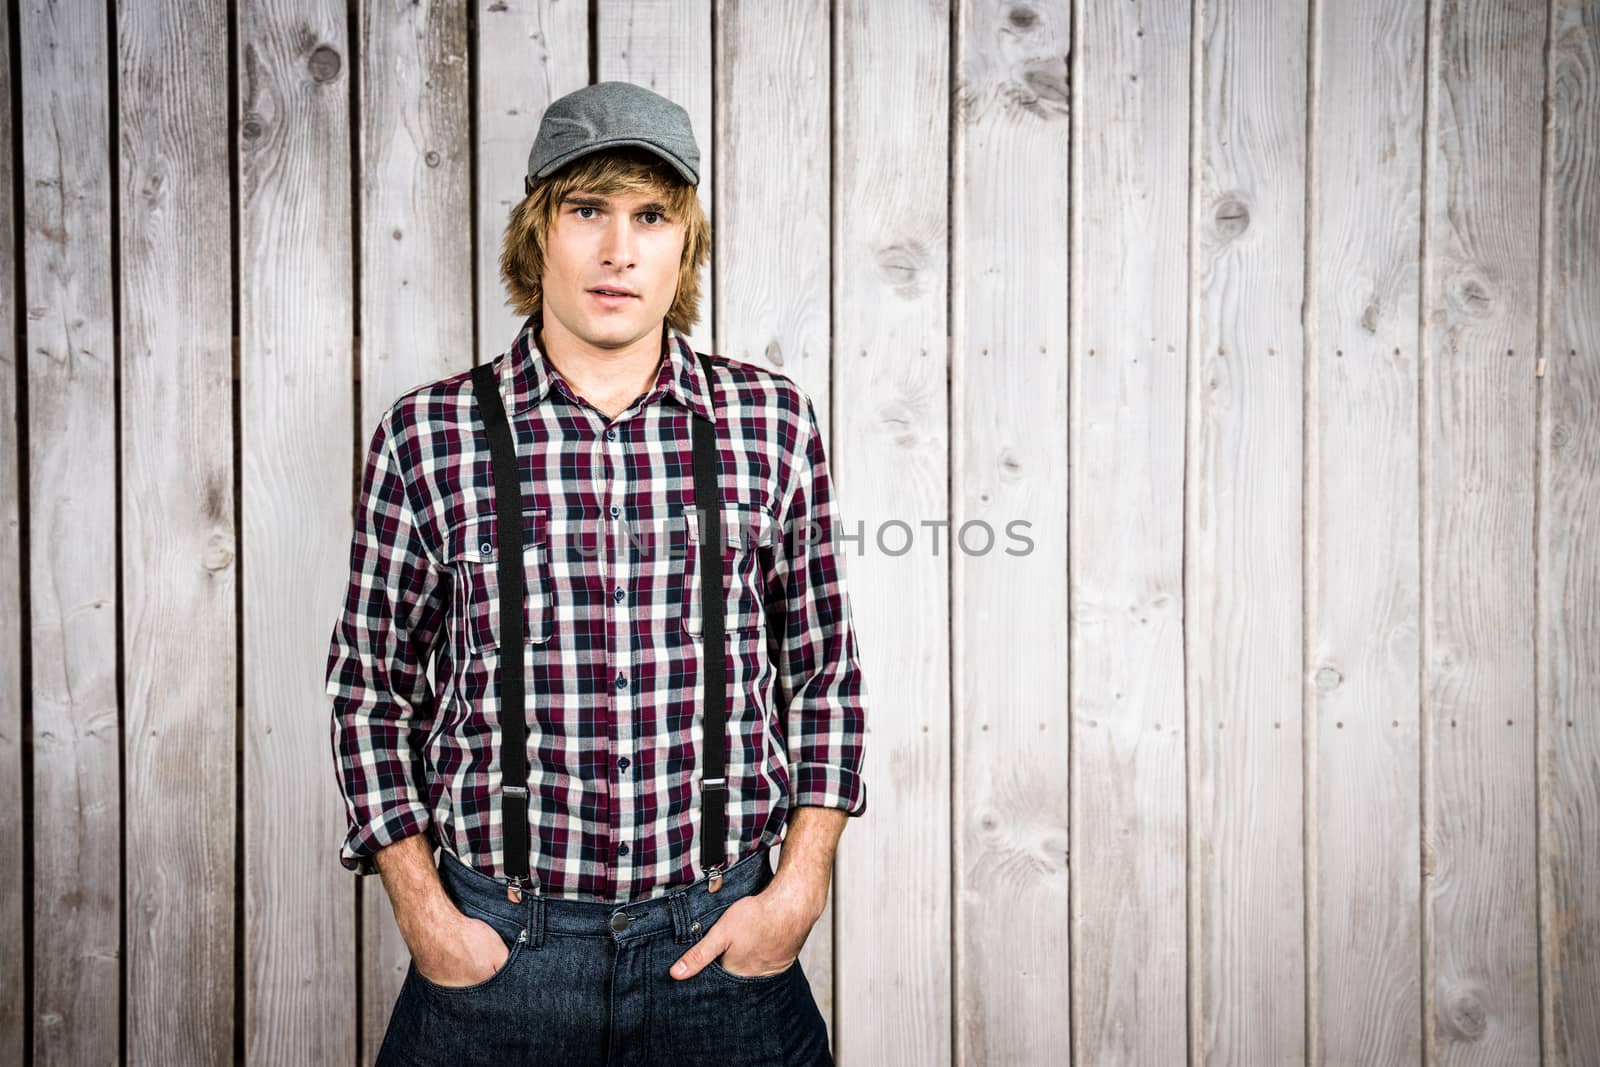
[[713, 645], [512, 666], [512, 669]]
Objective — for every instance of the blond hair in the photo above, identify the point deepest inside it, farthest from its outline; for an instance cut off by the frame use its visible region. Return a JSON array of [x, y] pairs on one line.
[[609, 172]]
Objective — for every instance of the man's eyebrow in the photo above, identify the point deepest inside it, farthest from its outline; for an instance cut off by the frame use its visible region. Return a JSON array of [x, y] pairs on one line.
[[579, 200]]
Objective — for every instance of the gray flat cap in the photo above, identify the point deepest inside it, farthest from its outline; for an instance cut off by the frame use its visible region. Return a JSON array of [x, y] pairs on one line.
[[607, 115]]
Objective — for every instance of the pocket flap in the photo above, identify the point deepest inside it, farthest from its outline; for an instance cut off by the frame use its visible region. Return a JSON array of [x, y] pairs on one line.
[[473, 539], [743, 526]]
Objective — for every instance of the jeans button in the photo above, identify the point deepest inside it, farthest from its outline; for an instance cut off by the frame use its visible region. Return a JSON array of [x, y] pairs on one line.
[[619, 921]]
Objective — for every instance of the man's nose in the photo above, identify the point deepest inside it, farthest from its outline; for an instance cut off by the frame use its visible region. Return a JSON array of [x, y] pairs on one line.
[[618, 245]]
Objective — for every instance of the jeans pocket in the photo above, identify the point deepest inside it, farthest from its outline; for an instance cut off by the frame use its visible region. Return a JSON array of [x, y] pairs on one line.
[[718, 968], [514, 940]]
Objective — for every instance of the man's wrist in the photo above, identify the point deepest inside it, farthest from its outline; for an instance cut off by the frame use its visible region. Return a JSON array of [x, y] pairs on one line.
[[415, 893], [806, 864]]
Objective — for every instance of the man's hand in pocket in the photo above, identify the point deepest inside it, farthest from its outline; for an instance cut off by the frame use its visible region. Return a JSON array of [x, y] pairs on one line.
[[460, 952]]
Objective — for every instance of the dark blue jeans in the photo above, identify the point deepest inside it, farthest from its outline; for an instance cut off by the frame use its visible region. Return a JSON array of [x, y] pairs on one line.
[[582, 987]]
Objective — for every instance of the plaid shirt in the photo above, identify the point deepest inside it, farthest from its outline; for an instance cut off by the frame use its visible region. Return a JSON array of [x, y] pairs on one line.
[[612, 627]]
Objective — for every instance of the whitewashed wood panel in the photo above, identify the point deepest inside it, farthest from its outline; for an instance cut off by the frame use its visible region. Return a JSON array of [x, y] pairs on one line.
[[527, 53], [893, 957], [1008, 454], [14, 897], [1243, 614], [415, 324], [178, 541], [1569, 570], [1280, 335], [665, 45], [1129, 323], [1480, 305], [67, 189], [1362, 554], [296, 418], [771, 242]]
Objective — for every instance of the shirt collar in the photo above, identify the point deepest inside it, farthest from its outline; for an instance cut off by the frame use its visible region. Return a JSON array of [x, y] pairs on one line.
[[526, 376]]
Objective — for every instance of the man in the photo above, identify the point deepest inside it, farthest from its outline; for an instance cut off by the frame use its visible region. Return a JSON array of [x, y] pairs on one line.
[[670, 649]]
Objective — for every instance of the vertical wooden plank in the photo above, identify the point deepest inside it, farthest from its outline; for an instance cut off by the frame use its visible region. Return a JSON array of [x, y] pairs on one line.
[[1130, 301], [665, 45], [770, 253], [1480, 296], [1569, 560], [528, 53], [295, 400], [415, 229], [1243, 569], [892, 887], [178, 539], [1361, 535], [1008, 383], [72, 523], [13, 889]]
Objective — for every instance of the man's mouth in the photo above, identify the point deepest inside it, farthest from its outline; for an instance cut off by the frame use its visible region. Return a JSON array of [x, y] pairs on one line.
[[612, 292]]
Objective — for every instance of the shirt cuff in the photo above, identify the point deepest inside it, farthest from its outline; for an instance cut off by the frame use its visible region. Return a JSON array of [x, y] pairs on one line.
[[363, 841], [827, 785]]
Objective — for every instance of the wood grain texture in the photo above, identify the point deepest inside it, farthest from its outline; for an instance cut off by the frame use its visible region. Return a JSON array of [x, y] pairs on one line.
[[1126, 423], [1008, 453], [529, 52], [1569, 560], [67, 190], [771, 242], [1278, 746], [14, 895], [665, 45], [1244, 610], [892, 882], [296, 414], [178, 539], [1480, 301], [415, 226], [1363, 816]]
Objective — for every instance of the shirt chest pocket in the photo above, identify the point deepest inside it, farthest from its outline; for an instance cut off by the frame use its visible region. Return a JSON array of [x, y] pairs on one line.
[[746, 530], [472, 551]]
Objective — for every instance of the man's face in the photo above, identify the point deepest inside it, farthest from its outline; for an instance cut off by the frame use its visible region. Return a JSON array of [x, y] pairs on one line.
[[622, 243]]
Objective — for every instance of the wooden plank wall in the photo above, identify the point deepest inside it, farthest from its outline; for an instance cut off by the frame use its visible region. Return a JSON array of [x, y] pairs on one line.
[[1212, 394]]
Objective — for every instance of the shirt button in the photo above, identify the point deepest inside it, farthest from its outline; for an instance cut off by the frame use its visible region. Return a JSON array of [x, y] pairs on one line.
[[618, 594], [611, 435], [622, 850], [486, 547], [622, 682], [623, 763], [615, 511]]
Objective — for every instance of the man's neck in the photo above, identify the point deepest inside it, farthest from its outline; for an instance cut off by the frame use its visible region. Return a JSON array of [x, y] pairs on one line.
[[608, 380]]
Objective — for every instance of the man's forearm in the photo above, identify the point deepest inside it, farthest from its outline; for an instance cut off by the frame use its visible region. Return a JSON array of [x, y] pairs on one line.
[[805, 863], [415, 892]]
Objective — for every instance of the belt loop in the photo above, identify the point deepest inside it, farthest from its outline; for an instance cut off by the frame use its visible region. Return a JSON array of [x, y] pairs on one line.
[[536, 919], [680, 916]]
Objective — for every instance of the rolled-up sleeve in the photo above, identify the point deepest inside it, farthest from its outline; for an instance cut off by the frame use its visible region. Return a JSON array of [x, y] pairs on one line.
[[383, 704], [820, 685]]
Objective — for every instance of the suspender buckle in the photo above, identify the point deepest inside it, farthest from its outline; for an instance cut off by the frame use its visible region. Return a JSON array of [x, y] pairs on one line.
[[515, 791], [714, 878], [514, 890]]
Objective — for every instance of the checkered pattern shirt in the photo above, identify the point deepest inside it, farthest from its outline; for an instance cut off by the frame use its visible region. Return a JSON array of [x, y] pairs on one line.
[[613, 648]]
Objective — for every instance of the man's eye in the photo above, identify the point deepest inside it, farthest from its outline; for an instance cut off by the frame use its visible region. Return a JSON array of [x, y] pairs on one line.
[[585, 209], [657, 214]]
